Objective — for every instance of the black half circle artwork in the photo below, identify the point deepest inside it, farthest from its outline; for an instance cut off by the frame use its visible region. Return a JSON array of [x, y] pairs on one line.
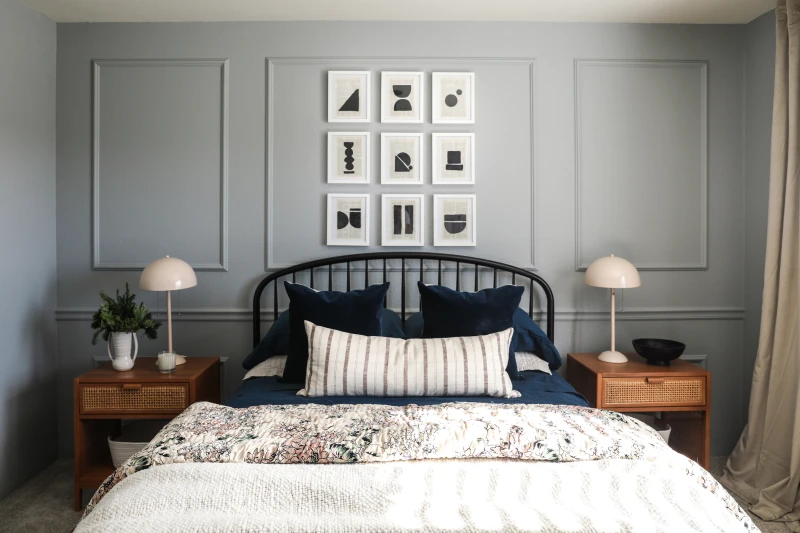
[[402, 105], [341, 220], [455, 223], [351, 104], [401, 91]]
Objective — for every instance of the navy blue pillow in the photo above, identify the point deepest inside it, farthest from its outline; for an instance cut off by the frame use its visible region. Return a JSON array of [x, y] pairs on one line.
[[529, 337], [276, 341], [449, 313], [358, 312]]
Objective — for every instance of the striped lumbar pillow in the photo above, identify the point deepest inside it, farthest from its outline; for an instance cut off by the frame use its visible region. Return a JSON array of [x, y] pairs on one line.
[[345, 364]]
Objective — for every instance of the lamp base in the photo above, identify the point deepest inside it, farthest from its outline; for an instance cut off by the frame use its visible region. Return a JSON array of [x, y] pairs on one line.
[[612, 357]]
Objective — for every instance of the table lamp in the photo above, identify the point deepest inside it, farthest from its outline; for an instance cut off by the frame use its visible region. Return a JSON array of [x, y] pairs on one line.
[[168, 274], [612, 273]]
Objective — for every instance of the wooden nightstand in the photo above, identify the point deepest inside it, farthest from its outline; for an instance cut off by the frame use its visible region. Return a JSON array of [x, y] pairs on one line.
[[104, 397], [681, 392]]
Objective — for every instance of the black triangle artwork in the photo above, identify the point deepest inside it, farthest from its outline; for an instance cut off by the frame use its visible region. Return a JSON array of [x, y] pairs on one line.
[[351, 104]]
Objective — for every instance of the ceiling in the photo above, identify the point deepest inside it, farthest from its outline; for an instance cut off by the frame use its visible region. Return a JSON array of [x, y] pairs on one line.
[[659, 11]]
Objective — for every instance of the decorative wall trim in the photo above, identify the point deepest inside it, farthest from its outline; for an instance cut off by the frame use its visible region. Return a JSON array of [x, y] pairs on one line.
[[97, 65], [271, 265], [209, 314], [702, 264]]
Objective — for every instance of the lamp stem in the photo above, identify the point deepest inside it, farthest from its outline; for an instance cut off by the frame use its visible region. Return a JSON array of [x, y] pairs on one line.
[[169, 321], [613, 323]]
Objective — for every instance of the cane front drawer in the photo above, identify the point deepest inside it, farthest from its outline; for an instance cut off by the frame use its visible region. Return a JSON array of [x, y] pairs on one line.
[[110, 398], [654, 391]]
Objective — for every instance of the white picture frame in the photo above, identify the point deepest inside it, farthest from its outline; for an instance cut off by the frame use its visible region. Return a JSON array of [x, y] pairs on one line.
[[460, 208], [402, 159], [453, 158], [453, 98], [340, 169], [346, 89], [342, 209], [412, 103], [399, 227]]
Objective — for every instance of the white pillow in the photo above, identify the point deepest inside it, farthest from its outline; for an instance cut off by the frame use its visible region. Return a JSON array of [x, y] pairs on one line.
[[345, 364], [273, 366], [531, 361]]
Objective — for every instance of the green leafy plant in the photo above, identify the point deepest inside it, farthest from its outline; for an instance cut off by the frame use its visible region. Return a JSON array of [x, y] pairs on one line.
[[123, 315]]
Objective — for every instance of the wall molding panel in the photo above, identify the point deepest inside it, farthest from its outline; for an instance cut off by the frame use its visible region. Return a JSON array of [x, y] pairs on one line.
[[580, 67], [273, 263], [218, 263], [199, 314]]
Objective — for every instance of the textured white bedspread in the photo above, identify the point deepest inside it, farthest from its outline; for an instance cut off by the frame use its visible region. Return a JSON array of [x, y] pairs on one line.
[[610, 495]]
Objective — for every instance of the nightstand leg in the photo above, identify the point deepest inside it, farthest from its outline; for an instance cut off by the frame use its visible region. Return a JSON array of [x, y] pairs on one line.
[[78, 500]]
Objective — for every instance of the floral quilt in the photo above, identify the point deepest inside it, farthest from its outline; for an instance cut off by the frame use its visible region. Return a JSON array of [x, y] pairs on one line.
[[316, 434]]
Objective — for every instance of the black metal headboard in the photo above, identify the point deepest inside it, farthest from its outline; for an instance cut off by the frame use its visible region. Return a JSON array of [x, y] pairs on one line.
[[402, 256]]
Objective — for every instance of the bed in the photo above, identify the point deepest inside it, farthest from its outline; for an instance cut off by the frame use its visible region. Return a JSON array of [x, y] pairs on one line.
[[271, 460]]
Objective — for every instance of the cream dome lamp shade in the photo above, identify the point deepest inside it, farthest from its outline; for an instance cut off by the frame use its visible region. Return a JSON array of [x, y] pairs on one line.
[[612, 273], [168, 274]]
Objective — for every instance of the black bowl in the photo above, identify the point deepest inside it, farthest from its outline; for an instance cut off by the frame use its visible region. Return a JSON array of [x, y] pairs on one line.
[[658, 352]]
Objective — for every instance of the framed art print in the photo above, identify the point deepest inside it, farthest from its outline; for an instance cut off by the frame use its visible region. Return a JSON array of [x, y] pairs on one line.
[[402, 220], [401, 158], [453, 158], [455, 219], [348, 96], [348, 220], [453, 97], [402, 97], [348, 157]]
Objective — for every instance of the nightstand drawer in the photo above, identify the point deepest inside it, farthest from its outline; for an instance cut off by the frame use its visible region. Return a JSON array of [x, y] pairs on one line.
[[108, 398], [654, 391]]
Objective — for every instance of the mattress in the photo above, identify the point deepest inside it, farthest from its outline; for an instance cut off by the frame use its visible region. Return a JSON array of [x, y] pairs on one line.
[[536, 388]]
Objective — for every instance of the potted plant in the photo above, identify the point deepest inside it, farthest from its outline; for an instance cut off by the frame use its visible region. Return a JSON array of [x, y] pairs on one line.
[[119, 320]]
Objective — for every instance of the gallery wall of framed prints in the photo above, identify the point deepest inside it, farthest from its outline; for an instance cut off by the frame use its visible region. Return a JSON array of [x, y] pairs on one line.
[[402, 98]]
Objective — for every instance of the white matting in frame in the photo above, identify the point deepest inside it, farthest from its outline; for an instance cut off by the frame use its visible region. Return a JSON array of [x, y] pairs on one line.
[[453, 97], [348, 157], [348, 95], [348, 220], [455, 220], [402, 158], [402, 97], [402, 220], [453, 158]]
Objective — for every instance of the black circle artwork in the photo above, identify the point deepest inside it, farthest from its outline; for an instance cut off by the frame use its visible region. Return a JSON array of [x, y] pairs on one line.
[[402, 162], [451, 99], [349, 168]]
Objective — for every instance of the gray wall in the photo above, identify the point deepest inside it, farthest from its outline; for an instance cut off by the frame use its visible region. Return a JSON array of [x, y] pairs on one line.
[[28, 355], [759, 85], [590, 139]]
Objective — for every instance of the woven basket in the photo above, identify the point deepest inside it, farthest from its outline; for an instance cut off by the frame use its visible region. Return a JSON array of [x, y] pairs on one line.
[[133, 438]]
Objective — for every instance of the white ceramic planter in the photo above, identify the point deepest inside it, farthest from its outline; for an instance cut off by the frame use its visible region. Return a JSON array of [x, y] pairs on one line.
[[122, 360]]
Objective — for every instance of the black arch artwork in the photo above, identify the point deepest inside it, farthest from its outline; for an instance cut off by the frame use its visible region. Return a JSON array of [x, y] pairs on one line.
[[352, 103], [402, 162], [354, 218]]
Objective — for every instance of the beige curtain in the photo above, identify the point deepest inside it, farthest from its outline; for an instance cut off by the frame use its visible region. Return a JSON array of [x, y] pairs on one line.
[[764, 469]]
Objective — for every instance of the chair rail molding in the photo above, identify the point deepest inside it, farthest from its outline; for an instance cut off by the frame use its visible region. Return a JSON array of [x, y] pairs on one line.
[[581, 262], [97, 67], [271, 264]]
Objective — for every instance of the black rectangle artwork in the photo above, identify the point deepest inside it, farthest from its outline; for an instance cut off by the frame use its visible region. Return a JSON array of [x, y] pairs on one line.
[[402, 219]]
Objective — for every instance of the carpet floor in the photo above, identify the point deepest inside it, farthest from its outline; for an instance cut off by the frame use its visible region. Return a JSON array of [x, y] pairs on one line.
[[44, 504]]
